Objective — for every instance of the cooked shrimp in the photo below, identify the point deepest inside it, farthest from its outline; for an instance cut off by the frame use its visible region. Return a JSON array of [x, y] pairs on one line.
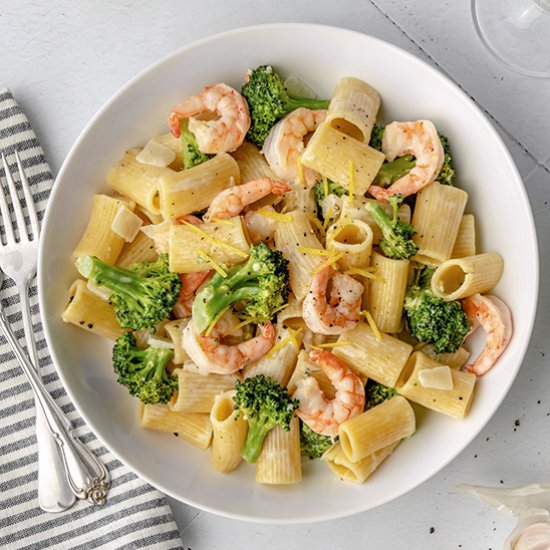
[[213, 356], [231, 201], [324, 416], [222, 134], [260, 228], [338, 312], [190, 284], [420, 139], [493, 315], [285, 143]]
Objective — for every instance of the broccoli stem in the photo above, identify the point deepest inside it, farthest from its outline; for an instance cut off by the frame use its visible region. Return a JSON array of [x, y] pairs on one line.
[[257, 432], [117, 279], [294, 102], [394, 170], [217, 300], [381, 218]]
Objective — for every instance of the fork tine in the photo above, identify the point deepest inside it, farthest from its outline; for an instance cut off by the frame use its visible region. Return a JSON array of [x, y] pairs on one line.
[[28, 198], [8, 227], [16, 203]]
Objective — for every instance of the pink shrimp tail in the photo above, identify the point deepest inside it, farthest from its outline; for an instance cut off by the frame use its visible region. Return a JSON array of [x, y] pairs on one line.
[[379, 193], [267, 330], [174, 123], [279, 188]]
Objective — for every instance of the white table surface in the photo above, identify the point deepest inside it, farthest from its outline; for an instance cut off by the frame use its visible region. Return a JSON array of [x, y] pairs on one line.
[[63, 60]]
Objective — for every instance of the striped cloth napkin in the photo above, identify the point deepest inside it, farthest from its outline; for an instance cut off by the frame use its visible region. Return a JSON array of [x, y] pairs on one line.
[[136, 515]]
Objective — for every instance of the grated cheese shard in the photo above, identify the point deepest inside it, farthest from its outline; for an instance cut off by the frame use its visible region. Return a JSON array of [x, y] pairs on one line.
[[156, 154], [437, 378], [126, 224]]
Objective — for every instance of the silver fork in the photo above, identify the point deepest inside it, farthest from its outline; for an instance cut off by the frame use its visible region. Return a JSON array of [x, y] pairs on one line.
[[66, 468]]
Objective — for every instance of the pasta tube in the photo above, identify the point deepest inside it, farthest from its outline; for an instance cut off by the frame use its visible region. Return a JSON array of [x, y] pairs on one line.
[[382, 360], [278, 363], [229, 431], [193, 427], [141, 249], [353, 239], [137, 181], [99, 239], [350, 162], [193, 249], [454, 402], [386, 293], [465, 244], [437, 217], [252, 164], [191, 190], [280, 462], [463, 277], [356, 472], [353, 108], [377, 428], [293, 239], [90, 312], [196, 392]]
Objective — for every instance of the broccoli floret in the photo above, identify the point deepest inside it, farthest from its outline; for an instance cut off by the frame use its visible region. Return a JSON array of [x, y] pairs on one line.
[[265, 404], [396, 240], [192, 155], [142, 295], [322, 190], [448, 172], [313, 444], [143, 371], [376, 137], [392, 171], [432, 320], [261, 284], [376, 393], [269, 101]]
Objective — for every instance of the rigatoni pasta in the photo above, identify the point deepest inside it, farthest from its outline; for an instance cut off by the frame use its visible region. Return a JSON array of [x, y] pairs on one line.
[[182, 193], [382, 360], [454, 402], [298, 243], [386, 292], [359, 471], [437, 217], [377, 428], [229, 430], [90, 312], [280, 462], [353, 108], [195, 428], [352, 163], [463, 277], [99, 239]]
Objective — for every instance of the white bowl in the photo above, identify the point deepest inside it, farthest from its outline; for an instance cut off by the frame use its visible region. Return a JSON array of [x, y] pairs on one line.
[[410, 89]]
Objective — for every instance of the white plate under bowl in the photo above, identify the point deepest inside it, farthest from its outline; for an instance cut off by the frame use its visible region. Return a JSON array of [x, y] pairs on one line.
[[410, 89]]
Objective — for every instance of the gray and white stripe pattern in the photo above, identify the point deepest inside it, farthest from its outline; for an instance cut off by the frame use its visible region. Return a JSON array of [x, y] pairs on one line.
[[136, 515]]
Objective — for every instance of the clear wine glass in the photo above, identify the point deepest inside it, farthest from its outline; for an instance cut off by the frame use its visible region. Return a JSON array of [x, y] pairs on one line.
[[517, 32]]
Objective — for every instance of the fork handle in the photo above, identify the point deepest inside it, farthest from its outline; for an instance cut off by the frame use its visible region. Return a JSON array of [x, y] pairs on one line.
[[54, 493], [87, 476]]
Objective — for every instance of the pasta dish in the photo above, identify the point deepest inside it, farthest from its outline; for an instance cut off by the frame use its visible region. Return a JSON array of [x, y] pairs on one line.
[[284, 277]]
